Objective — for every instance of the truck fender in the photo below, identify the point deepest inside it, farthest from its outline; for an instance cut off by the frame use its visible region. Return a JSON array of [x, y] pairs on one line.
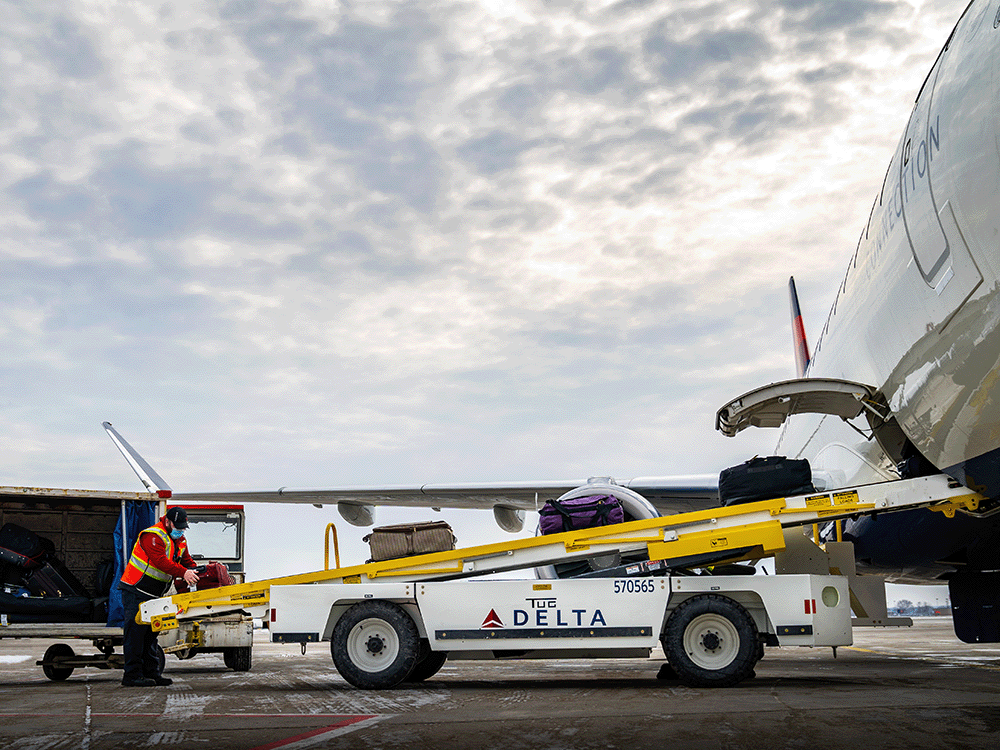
[[341, 606], [749, 600]]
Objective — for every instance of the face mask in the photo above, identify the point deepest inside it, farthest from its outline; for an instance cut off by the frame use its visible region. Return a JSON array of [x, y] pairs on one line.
[[176, 533]]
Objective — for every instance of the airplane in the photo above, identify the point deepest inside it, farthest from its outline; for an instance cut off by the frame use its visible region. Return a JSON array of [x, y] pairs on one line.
[[904, 379], [914, 336]]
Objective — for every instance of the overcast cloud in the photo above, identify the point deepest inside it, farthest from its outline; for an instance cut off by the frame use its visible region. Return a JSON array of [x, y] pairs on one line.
[[311, 243]]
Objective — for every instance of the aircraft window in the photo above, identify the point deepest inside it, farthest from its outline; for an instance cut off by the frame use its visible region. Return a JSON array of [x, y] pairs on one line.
[[996, 21], [906, 152]]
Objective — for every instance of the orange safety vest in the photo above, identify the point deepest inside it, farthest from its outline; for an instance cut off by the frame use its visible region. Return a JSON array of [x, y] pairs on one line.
[[140, 572]]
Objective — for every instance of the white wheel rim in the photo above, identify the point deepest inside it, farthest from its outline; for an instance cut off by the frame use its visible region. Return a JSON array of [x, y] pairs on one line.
[[711, 641], [372, 645]]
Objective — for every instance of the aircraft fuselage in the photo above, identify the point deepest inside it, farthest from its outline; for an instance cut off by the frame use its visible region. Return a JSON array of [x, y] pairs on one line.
[[918, 313]]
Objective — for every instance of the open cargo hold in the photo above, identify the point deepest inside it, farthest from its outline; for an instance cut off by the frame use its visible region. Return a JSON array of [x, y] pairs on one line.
[[63, 552]]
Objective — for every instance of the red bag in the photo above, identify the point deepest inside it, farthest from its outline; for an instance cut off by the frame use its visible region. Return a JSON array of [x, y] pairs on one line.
[[212, 575]]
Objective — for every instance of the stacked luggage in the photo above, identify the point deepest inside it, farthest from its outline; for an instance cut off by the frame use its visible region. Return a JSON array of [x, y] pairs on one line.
[[35, 586]]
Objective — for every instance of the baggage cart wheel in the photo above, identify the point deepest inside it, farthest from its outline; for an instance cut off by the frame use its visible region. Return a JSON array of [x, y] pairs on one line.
[[428, 663], [54, 654], [375, 645], [711, 641], [238, 658]]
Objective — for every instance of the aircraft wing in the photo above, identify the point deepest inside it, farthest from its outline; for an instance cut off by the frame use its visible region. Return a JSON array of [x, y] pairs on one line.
[[667, 494], [507, 500]]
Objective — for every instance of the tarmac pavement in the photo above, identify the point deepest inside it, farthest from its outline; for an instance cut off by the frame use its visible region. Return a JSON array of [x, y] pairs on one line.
[[915, 688]]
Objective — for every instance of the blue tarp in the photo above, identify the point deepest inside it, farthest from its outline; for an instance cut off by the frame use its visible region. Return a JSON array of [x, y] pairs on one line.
[[137, 515]]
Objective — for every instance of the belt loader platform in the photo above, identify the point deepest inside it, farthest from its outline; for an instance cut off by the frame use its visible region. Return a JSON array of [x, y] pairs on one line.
[[399, 620]]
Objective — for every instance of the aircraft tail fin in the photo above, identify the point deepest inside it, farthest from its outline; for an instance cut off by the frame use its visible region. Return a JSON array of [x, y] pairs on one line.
[[802, 358]]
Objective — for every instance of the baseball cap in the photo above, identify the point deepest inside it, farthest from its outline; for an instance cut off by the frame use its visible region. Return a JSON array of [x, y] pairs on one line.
[[178, 517]]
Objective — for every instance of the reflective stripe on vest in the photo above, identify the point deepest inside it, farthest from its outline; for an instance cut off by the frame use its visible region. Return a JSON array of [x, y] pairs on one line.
[[140, 571]]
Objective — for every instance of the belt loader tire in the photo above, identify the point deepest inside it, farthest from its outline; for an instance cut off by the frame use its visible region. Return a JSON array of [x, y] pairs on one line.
[[711, 641], [375, 645], [428, 663]]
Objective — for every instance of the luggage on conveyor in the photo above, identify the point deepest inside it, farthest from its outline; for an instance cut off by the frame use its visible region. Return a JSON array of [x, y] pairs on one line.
[[765, 478], [405, 539], [580, 513], [211, 575]]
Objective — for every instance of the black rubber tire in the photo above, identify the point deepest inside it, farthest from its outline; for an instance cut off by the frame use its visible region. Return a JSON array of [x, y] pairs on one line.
[[375, 645], [711, 641], [238, 658], [55, 651], [428, 663]]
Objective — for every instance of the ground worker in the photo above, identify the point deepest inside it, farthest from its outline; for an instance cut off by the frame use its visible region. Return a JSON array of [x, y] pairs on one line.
[[160, 554]]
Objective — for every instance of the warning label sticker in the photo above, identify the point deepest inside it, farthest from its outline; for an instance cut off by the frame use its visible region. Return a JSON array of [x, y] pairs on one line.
[[845, 498], [817, 501]]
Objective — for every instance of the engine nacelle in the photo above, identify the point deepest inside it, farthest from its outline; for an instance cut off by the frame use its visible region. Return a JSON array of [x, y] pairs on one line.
[[508, 519], [357, 514]]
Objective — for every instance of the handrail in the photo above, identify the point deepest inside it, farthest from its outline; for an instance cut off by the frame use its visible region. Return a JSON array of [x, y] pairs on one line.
[[326, 547]]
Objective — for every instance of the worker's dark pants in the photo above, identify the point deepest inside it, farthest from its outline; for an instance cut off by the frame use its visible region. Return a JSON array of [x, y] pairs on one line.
[[140, 649]]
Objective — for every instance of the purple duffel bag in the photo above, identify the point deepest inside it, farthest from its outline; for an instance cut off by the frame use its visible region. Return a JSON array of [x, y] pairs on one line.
[[580, 513]]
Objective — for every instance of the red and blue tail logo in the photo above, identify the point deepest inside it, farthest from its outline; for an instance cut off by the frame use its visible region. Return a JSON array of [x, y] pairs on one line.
[[802, 358]]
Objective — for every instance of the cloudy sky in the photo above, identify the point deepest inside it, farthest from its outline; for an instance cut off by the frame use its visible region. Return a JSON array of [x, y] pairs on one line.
[[311, 243]]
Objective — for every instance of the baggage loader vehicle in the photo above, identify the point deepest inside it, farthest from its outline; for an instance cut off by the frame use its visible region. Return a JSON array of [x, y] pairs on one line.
[[398, 620]]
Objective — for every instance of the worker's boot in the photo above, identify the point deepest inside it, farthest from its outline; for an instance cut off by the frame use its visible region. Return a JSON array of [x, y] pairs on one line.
[[138, 682]]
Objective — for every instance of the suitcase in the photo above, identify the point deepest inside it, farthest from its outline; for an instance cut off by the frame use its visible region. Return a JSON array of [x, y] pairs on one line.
[[104, 577], [405, 539], [53, 579], [212, 575], [23, 547], [45, 608], [11, 576], [765, 478]]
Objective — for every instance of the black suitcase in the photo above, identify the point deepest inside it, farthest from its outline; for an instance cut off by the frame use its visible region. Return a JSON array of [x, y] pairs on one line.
[[765, 478], [23, 547], [11, 576], [54, 579], [45, 609]]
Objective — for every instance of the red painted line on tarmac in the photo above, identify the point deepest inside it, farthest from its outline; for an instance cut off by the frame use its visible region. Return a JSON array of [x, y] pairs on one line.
[[316, 734]]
